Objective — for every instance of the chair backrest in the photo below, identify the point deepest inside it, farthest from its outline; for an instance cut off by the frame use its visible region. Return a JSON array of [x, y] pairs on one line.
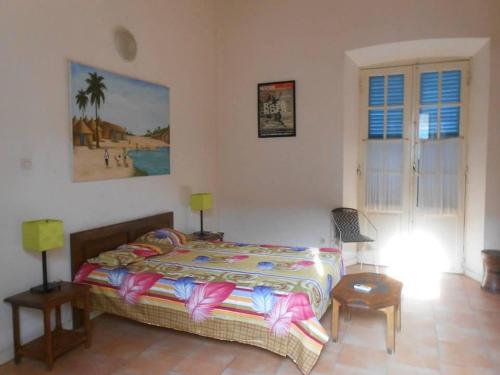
[[347, 221]]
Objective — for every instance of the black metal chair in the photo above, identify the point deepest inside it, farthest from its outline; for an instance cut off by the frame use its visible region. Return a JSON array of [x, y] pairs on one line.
[[346, 225]]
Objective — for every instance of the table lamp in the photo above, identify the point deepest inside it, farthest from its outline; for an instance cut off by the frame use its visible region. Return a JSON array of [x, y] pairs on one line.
[[201, 202], [43, 235]]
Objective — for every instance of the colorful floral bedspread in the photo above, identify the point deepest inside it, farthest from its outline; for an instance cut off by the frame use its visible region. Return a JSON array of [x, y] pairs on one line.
[[230, 291]]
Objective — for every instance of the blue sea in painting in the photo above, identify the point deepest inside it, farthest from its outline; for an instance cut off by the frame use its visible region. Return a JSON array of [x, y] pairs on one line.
[[152, 162]]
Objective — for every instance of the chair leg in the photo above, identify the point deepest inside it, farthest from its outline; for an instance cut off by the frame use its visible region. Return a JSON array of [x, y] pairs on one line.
[[360, 257]]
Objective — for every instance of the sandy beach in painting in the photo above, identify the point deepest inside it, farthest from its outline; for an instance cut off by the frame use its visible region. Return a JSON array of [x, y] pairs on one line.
[[89, 165]]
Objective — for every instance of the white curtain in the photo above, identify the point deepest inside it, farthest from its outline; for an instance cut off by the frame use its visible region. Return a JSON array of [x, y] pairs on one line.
[[384, 165], [440, 176]]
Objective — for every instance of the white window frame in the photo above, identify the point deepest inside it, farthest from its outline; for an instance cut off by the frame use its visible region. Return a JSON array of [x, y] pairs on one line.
[[410, 137]]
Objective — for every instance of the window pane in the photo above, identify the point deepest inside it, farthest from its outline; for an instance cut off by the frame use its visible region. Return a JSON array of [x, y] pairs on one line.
[[384, 175], [377, 86], [376, 124], [450, 122], [427, 125], [395, 123], [450, 86], [429, 87], [395, 89]]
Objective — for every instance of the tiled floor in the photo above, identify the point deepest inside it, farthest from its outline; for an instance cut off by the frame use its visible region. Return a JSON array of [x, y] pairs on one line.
[[456, 334]]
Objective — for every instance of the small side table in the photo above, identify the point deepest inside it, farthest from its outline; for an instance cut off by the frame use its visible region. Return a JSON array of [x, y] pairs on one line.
[[385, 296], [491, 276], [55, 342], [207, 236]]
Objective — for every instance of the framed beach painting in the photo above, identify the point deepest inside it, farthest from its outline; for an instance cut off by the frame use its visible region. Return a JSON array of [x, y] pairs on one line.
[[120, 125], [276, 109]]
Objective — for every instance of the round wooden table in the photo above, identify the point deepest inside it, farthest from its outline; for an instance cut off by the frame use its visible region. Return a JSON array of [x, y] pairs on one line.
[[385, 296]]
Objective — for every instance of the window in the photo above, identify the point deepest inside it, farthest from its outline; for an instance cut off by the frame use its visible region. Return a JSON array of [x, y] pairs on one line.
[[386, 104], [439, 104], [412, 134]]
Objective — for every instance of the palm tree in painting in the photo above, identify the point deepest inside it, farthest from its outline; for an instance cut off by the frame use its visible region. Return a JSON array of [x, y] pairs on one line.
[[96, 91], [81, 101]]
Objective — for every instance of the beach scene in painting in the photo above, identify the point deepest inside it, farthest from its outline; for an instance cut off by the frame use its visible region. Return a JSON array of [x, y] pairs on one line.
[[120, 125]]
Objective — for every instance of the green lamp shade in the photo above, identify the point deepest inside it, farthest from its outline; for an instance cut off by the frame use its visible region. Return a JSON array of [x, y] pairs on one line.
[[201, 201], [43, 235]]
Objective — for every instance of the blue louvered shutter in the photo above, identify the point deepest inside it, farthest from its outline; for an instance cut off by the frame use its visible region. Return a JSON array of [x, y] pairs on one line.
[[386, 106], [440, 102]]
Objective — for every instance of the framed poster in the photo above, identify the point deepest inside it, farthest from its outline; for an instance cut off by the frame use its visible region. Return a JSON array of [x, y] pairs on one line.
[[120, 125], [276, 109]]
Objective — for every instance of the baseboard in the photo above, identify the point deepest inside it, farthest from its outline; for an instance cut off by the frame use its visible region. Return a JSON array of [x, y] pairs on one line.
[[473, 274]]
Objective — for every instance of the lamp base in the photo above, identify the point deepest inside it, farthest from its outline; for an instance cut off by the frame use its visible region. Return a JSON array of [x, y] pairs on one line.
[[45, 288], [202, 234]]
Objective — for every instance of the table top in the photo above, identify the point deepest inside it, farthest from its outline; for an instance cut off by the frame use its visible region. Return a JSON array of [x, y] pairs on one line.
[[66, 292], [386, 291]]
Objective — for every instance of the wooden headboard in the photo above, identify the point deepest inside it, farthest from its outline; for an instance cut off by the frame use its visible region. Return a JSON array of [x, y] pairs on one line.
[[90, 243]]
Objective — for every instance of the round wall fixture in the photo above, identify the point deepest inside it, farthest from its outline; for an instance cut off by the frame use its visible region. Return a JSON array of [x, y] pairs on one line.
[[125, 44]]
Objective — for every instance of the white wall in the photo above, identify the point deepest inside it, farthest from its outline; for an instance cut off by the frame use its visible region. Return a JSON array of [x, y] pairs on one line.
[[175, 48], [260, 180]]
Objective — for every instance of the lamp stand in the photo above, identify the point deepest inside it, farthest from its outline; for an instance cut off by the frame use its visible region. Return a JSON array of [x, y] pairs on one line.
[[46, 287], [201, 223], [201, 233]]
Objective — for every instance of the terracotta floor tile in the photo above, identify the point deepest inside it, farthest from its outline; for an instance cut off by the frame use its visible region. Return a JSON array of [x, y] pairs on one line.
[[232, 371], [456, 333], [326, 363], [258, 360], [401, 369], [412, 354], [463, 354], [189, 366], [349, 370], [364, 358], [86, 362], [26, 367], [149, 363], [368, 319], [465, 320], [181, 345], [466, 370], [217, 355], [366, 337], [288, 367]]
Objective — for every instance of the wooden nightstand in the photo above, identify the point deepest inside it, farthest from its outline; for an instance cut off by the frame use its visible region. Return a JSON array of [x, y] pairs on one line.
[[55, 342], [208, 236]]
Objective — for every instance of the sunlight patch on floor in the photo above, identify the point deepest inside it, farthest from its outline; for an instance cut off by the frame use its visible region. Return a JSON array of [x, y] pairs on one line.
[[418, 260]]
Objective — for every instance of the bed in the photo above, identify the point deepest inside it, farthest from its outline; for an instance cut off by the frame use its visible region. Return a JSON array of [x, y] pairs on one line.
[[262, 295]]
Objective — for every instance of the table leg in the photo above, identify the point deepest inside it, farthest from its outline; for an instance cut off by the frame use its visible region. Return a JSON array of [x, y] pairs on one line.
[[398, 317], [86, 320], [58, 318], [16, 333], [49, 354], [335, 320], [390, 328]]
